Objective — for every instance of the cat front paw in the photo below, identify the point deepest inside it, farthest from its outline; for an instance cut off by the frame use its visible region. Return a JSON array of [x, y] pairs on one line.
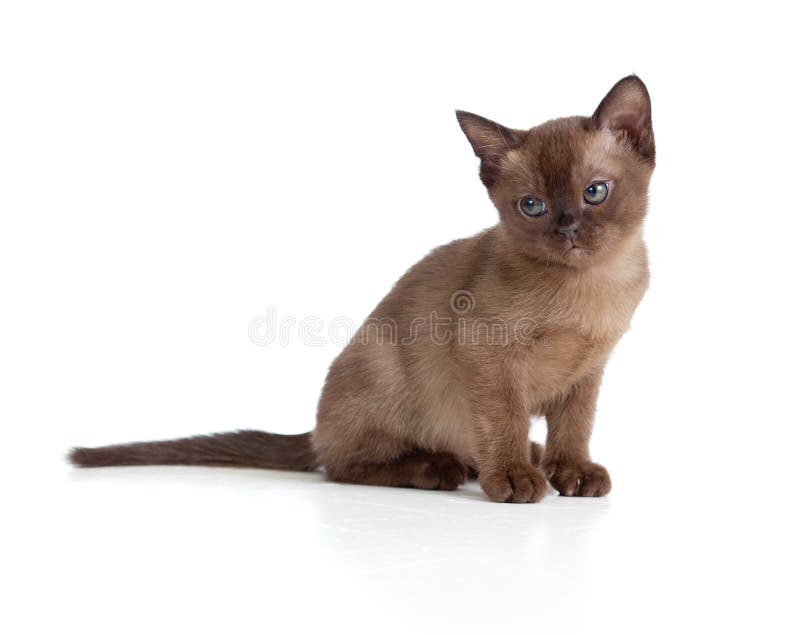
[[578, 478], [517, 484]]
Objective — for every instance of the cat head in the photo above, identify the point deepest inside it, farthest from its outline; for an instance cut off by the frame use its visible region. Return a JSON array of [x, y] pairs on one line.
[[571, 190]]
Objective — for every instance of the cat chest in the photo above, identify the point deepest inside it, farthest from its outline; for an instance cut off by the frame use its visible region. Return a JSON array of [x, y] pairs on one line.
[[561, 357]]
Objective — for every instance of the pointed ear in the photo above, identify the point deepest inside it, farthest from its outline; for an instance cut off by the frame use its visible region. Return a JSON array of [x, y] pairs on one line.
[[625, 111], [490, 141]]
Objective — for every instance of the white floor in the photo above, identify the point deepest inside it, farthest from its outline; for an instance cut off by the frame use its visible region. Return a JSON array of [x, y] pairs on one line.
[[178, 550]]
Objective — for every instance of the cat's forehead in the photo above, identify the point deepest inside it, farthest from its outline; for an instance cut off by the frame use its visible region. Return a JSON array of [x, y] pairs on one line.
[[560, 154]]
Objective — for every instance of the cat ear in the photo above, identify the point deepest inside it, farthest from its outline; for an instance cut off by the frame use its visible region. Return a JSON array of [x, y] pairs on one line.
[[625, 111], [490, 141]]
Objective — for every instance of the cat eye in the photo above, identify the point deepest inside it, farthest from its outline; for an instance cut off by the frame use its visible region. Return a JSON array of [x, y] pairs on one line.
[[596, 193], [532, 207]]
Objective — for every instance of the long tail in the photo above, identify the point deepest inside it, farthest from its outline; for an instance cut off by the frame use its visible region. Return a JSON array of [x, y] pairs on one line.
[[243, 448]]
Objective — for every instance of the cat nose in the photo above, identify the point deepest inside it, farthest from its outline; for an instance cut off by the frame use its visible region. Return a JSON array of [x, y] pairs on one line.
[[568, 232]]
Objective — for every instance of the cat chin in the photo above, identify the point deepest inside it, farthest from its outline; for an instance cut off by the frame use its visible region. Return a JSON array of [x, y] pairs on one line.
[[578, 257], [576, 252]]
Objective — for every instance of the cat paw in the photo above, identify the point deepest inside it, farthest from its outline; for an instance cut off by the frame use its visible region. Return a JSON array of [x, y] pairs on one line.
[[578, 478], [518, 484], [440, 470], [537, 454]]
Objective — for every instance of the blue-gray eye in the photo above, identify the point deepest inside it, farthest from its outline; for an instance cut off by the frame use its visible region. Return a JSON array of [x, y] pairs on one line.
[[596, 193], [532, 207]]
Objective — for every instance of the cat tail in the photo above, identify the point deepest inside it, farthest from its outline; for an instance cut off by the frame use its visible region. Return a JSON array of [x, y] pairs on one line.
[[242, 448]]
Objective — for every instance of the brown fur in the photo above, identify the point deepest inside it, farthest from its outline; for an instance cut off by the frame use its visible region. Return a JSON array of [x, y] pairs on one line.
[[244, 448], [420, 403]]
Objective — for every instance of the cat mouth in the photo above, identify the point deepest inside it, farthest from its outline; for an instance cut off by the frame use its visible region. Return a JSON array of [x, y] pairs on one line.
[[574, 251]]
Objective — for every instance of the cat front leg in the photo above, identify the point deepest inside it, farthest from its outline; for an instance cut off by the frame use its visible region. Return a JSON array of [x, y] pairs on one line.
[[503, 451], [566, 459]]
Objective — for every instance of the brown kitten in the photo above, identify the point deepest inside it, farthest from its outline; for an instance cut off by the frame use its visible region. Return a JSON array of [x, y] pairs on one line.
[[484, 332]]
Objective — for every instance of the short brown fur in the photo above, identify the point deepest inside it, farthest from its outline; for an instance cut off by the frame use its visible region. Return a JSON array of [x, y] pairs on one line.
[[433, 397]]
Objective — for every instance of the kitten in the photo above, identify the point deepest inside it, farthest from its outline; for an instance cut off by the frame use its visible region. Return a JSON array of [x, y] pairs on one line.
[[484, 332]]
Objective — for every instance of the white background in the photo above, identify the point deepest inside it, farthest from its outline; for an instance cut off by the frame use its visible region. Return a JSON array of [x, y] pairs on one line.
[[170, 170]]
